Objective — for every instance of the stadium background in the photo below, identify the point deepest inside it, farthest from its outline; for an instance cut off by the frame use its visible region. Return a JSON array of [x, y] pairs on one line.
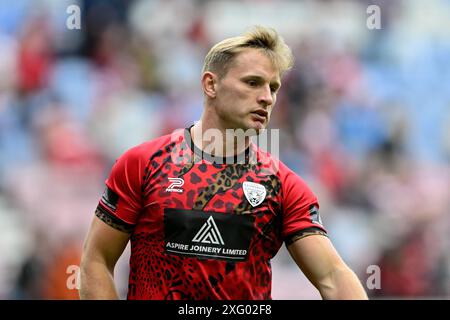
[[364, 119]]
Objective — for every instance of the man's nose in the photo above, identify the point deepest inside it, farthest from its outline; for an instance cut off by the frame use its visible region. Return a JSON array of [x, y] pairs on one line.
[[265, 96]]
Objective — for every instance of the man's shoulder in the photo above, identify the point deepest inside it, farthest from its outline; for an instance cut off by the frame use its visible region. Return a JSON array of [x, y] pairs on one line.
[[273, 164], [151, 147], [270, 161]]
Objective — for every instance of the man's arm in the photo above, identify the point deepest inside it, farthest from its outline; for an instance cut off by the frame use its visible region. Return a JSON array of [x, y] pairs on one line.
[[322, 265], [103, 246]]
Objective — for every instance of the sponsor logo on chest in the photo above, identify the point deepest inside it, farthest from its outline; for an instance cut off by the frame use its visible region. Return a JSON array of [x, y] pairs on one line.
[[207, 234]]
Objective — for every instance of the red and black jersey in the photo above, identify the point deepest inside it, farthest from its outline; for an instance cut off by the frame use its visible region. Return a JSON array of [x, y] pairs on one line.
[[203, 228]]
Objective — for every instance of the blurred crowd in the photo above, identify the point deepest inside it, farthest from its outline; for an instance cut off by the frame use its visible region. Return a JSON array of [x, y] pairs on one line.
[[364, 118]]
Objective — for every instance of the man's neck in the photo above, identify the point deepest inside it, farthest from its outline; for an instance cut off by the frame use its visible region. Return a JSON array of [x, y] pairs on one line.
[[217, 140]]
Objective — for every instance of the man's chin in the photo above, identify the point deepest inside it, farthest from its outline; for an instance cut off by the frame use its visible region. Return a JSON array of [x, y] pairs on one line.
[[257, 127], [253, 128]]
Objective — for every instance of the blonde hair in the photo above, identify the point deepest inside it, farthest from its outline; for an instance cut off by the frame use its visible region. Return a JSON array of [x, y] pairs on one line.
[[268, 40]]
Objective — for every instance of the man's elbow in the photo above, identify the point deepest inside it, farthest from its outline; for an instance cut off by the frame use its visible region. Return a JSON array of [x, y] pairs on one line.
[[96, 280], [341, 284], [86, 273]]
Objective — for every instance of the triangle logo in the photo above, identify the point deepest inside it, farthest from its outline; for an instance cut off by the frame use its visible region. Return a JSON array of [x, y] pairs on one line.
[[209, 233], [254, 192]]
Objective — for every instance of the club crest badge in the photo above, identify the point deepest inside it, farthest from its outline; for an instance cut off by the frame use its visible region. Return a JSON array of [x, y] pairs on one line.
[[254, 192]]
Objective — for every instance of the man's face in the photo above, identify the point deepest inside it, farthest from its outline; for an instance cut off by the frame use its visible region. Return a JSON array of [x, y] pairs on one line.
[[247, 93]]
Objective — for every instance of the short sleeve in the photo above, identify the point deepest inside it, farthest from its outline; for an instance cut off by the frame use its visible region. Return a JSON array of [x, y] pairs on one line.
[[122, 197], [299, 204]]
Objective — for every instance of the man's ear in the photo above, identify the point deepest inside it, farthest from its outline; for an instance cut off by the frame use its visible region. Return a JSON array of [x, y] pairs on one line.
[[209, 84]]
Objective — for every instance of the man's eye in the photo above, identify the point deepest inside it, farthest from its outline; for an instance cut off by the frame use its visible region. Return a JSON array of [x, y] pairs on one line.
[[252, 83]]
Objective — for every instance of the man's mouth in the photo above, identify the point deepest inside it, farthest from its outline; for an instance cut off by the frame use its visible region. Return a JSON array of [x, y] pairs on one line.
[[260, 115]]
